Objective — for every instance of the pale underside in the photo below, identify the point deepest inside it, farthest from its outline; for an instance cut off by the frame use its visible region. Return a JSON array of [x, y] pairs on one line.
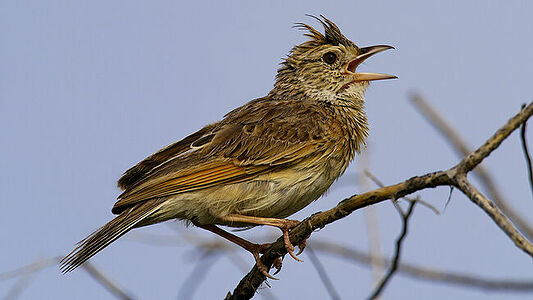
[[274, 195]]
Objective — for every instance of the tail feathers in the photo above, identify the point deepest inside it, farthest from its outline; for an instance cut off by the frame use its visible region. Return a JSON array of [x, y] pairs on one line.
[[108, 233]]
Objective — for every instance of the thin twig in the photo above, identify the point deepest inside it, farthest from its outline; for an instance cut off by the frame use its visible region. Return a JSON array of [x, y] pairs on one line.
[[526, 153], [462, 149], [20, 285], [43, 263], [422, 202], [494, 213], [105, 281], [374, 243], [397, 252], [322, 273], [249, 283], [198, 274], [371, 217], [31, 268], [206, 244], [427, 273]]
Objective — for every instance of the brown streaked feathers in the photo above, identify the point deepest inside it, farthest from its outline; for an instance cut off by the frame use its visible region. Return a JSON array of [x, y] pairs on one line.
[[252, 140]]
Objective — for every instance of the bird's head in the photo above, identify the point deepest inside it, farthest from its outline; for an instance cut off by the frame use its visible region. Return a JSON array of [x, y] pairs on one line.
[[325, 67]]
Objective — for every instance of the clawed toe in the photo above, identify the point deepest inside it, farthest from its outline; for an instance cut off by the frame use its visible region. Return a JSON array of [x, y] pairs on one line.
[[301, 247], [288, 245], [289, 224], [277, 264], [262, 268]]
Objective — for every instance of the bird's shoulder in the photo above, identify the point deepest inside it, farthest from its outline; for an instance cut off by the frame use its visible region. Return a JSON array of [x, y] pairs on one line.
[[263, 127]]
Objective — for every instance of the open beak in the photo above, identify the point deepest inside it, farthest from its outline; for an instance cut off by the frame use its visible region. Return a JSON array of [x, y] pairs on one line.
[[366, 53]]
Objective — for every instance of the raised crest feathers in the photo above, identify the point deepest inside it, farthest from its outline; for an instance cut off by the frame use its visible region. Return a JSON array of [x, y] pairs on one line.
[[332, 34]]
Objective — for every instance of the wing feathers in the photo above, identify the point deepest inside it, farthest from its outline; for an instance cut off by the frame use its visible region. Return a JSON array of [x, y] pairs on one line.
[[254, 139], [208, 176]]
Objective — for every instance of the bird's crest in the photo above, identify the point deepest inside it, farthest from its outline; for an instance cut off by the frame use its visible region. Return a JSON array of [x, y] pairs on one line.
[[332, 34]]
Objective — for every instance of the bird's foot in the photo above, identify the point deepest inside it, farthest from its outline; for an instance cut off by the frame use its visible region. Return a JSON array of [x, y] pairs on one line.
[[286, 226]]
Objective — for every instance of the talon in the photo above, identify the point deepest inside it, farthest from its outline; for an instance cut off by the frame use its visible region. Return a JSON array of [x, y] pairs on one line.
[[262, 268], [287, 241], [301, 247], [277, 264], [288, 245]]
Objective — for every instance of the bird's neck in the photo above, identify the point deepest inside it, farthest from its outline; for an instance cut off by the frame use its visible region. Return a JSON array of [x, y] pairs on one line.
[[288, 89], [355, 121], [348, 107]]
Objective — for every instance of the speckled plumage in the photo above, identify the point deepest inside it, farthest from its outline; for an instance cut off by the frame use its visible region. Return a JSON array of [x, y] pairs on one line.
[[268, 158]]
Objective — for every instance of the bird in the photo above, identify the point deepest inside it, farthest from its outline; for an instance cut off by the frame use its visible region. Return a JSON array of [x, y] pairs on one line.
[[263, 161]]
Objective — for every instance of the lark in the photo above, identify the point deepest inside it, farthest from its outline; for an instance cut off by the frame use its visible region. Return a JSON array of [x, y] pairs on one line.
[[262, 162]]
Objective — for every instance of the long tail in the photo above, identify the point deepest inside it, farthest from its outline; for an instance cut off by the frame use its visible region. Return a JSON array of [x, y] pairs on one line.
[[108, 233]]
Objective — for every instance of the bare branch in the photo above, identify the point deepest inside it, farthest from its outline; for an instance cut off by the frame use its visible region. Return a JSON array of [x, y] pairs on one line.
[[374, 243], [43, 263], [31, 268], [494, 213], [526, 153], [371, 217], [459, 144], [397, 252], [21, 284], [429, 274], [249, 284], [322, 273], [211, 246], [198, 274], [107, 283], [422, 202], [462, 149]]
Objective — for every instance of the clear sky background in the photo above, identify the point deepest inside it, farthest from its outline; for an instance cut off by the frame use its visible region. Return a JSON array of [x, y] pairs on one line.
[[87, 89]]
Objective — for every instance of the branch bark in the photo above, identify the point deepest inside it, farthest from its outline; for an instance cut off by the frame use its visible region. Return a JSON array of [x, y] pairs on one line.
[[463, 149]]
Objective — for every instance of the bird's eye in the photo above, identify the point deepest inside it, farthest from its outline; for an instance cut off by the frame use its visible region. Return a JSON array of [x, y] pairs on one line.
[[329, 58]]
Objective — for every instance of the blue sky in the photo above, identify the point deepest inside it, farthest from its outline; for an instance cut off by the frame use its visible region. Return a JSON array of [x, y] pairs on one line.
[[88, 89]]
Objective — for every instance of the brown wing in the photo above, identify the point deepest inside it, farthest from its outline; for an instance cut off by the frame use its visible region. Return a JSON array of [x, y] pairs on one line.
[[253, 140]]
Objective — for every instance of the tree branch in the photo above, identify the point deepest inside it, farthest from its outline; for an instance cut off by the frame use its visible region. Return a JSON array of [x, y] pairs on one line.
[[198, 274], [249, 284], [106, 282], [463, 149], [526, 153], [494, 213], [328, 284], [397, 252], [428, 273]]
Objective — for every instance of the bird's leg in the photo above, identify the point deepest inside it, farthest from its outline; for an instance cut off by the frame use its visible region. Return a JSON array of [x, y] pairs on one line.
[[255, 249], [283, 224]]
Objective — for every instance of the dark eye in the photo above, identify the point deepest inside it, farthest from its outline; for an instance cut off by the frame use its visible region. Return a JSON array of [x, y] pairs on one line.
[[330, 58]]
